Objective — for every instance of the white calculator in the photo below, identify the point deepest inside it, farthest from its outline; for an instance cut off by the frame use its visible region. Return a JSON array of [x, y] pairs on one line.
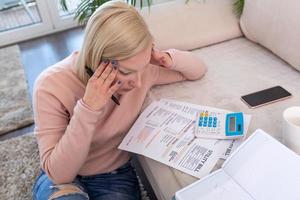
[[219, 125]]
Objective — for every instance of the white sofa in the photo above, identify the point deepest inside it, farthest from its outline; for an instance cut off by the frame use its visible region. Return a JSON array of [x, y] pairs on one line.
[[257, 51]]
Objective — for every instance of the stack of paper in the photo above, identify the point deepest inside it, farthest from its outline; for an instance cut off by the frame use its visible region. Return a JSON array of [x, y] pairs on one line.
[[165, 132], [260, 169]]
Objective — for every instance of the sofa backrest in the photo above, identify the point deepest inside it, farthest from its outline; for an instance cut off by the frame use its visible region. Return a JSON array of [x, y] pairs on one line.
[[275, 24], [191, 25]]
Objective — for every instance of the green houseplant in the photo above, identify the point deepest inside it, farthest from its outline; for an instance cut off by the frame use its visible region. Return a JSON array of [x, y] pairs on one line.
[[238, 6], [86, 7]]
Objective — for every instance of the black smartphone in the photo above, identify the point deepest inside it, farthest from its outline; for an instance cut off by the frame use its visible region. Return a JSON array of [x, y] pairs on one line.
[[266, 96]]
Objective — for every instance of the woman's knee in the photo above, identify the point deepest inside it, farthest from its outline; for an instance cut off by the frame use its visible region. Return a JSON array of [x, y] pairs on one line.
[[68, 191], [44, 189]]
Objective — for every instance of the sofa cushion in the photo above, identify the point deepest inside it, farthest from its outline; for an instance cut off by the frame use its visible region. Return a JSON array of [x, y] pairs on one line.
[[235, 68], [275, 25], [192, 25]]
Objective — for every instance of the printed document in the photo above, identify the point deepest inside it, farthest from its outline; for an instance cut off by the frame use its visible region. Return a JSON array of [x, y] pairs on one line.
[[164, 132], [261, 168], [192, 109]]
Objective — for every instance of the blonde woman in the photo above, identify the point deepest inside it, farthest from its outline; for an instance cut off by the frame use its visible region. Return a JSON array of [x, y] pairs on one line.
[[85, 104]]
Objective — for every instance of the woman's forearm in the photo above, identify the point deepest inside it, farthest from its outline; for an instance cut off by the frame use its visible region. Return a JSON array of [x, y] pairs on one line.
[[187, 63], [63, 143]]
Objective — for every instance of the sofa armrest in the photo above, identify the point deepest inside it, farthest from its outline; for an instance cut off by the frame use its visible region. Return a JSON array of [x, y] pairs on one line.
[[274, 26], [176, 24]]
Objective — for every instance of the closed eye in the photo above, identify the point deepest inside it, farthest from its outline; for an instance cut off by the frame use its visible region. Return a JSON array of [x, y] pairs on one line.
[[125, 73]]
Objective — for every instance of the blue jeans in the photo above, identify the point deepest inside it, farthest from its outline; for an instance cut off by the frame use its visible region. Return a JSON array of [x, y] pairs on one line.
[[119, 184]]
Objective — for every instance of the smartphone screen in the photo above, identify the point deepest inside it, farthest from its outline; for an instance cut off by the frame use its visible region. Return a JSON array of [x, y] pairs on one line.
[[266, 96]]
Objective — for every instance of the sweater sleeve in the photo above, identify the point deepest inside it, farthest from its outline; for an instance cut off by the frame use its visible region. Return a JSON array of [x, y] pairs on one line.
[[63, 142], [185, 66]]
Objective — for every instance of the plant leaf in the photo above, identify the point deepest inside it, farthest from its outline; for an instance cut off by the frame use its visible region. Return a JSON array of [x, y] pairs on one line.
[[63, 4], [86, 8], [238, 7]]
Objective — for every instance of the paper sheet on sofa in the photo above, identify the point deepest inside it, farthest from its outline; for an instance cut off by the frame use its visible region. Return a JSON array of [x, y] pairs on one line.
[[166, 134], [192, 109], [261, 168]]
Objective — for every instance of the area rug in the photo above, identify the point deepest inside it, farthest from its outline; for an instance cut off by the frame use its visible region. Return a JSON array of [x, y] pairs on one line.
[[19, 166], [15, 107]]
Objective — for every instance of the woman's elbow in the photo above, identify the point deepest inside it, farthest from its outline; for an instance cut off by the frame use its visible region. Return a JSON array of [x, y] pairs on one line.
[[203, 70], [57, 176], [58, 180], [199, 72]]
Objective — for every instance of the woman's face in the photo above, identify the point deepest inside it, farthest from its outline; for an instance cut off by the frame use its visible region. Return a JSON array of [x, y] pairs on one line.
[[130, 70]]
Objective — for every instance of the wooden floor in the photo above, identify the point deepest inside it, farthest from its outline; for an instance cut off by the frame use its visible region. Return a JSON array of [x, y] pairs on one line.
[[40, 53]]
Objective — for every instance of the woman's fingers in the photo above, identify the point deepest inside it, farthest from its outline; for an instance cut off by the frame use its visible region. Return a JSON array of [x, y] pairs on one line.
[[105, 73], [110, 78], [99, 90], [161, 58], [114, 88], [156, 57], [100, 69]]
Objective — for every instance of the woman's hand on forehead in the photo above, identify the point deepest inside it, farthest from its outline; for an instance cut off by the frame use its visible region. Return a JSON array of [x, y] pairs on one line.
[[160, 58]]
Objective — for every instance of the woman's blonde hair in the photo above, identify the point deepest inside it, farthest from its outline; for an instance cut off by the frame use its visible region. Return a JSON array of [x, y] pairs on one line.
[[114, 31]]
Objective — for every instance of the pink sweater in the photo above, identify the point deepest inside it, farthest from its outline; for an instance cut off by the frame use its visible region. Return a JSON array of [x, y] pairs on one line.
[[75, 140]]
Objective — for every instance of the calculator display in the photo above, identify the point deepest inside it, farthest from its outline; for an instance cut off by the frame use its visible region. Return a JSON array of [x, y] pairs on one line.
[[232, 124]]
